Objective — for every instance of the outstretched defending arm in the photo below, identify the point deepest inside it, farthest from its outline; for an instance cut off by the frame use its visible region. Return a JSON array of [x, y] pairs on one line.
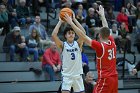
[[78, 24], [102, 16], [80, 40], [55, 37], [78, 31]]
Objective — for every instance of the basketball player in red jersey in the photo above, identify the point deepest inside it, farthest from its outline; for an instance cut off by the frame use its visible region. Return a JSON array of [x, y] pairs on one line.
[[106, 55]]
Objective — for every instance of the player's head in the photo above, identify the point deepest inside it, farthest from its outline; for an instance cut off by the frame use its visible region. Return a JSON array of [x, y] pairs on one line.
[[104, 33], [69, 34]]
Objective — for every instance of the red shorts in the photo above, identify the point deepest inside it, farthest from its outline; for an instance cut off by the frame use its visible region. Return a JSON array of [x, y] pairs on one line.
[[107, 85]]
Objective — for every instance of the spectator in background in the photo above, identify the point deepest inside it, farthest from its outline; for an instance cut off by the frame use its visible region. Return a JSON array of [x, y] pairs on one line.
[[51, 62], [85, 62], [23, 13], [36, 6], [136, 68], [66, 3], [137, 42], [11, 2], [89, 83], [83, 11], [122, 17], [13, 43], [125, 38], [11, 14], [41, 30], [118, 4], [115, 33], [95, 5], [4, 19], [90, 2], [92, 22], [138, 17], [81, 17], [32, 42], [130, 12], [110, 17]]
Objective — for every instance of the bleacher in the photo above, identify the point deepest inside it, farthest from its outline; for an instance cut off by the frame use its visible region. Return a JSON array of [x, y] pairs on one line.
[[17, 77]]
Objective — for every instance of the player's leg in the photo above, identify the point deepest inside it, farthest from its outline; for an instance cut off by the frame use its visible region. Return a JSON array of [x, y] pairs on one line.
[[115, 84], [78, 85], [101, 86], [66, 85]]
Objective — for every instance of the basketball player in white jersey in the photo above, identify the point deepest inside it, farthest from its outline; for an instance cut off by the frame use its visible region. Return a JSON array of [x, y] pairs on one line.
[[71, 58]]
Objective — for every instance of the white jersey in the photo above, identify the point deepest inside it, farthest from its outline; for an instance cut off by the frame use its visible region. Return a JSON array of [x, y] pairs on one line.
[[71, 60]]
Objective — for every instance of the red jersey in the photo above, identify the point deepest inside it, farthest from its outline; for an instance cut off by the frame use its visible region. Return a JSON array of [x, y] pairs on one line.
[[106, 57]]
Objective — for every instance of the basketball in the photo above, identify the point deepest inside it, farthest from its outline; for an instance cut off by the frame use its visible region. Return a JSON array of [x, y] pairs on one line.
[[65, 11]]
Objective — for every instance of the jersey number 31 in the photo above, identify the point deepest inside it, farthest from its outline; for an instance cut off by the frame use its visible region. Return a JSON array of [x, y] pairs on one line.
[[111, 54]]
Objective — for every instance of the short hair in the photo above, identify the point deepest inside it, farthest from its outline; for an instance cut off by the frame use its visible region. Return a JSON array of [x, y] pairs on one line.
[[104, 32], [90, 9], [89, 74], [114, 25], [67, 29]]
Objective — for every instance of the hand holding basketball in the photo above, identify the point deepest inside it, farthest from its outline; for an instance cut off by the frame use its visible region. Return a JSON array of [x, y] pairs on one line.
[[65, 11]]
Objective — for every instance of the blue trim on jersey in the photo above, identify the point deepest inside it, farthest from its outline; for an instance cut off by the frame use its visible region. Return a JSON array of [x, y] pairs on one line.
[[65, 90], [62, 47], [62, 55], [80, 91], [69, 44]]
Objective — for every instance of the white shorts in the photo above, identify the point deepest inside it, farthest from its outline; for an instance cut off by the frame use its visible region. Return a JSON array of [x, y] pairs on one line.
[[75, 82]]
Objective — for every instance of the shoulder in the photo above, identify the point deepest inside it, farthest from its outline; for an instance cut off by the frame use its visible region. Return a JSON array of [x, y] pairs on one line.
[[31, 26], [47, 50], [42, 25], [111, 38], [94, 42]]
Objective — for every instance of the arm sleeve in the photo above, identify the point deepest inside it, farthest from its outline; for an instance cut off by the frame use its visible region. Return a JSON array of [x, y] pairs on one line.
[[97, 47]]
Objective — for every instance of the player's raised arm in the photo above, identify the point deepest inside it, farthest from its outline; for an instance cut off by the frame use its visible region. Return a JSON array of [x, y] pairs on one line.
[[77, 23], [80, 41], [78, 31], [55, 37], [102, 16]]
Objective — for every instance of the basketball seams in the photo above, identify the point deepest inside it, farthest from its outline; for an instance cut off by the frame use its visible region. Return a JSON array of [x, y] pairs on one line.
[[63, 11]]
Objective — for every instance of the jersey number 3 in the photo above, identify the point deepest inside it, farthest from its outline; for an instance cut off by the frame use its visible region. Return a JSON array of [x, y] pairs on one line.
[[111, 54], [72, 56]]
